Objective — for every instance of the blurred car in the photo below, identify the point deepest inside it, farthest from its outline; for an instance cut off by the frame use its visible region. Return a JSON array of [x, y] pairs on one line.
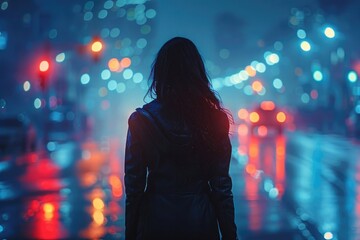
[[266, 117], [17, 135]]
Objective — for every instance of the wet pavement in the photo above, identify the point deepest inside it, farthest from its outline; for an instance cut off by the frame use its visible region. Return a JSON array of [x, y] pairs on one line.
[[296, 186]]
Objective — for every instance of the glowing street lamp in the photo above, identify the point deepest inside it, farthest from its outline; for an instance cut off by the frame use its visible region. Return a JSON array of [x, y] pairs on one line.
[[305, 46], [329, 32]]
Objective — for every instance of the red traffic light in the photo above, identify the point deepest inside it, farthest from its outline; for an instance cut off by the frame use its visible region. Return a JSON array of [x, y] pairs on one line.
[[44, 66], [44, 69], [96, 47]]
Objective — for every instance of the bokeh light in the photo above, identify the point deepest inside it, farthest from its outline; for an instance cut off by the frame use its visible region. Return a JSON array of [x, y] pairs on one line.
[[257, 86], [60, 57], [352, 76], [328, 235], [114, 65], [250, 71], [98, 203], [26, 86], [96, 46], [281, 117], [318, 76], [85, 78], [44, 66], [105, 74], [329, 32], [125, 62], [305, 46], [277, 83], [243, 113], [37, 103], [254, 117], [262, 131], [301, 33]]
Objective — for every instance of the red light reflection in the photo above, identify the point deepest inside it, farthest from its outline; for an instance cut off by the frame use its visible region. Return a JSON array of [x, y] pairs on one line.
[[280, 164], [44, 220]]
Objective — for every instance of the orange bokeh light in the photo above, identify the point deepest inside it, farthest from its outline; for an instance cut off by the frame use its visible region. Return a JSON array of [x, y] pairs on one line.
[[281, 117], [98, 217], [254, 117], [267, 105], [257, 86], [243, 113], [243, 130], [250, 71], [262, 131], [98, 203], [125, 62], [96, 46], [250, 169], [48, 208], [114, 65]]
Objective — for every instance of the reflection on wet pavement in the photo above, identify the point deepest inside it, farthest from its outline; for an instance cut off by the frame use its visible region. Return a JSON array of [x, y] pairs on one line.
[[293, 186]]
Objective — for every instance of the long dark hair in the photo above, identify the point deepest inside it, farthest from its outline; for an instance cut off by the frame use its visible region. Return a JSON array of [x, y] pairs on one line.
[[178, 80]]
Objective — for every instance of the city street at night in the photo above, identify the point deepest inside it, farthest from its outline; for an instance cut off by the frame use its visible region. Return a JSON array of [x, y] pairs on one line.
[[294, 186], [285, 72]]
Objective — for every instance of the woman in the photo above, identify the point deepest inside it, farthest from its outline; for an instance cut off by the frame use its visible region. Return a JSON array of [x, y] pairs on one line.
[[178, 153]]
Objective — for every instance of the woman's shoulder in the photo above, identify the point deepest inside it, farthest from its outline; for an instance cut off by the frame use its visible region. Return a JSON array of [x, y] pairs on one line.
[[151, 106], [220, 120]]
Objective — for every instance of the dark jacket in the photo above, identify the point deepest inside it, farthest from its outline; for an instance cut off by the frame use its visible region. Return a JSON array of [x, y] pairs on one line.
[[175, 187]]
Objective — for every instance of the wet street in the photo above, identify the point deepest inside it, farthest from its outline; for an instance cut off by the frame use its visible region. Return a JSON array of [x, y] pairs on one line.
[[294, 186]]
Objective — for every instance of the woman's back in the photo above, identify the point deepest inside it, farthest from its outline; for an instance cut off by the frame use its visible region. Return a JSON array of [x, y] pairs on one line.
[[177, 162]]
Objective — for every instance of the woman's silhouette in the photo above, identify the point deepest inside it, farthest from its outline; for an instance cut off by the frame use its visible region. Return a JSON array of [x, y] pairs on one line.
[[178, 153]]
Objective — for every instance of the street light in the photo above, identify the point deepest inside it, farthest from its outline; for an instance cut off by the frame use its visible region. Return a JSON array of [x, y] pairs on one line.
[[96, 48], [43, 71], [329, 32]]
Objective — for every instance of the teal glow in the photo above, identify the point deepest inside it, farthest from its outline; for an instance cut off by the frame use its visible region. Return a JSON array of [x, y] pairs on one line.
[[60, 57], [352, 76], [277, 83], [85, 79], [121, 87], [37, 103], [301, 33], [318, 76], [105, 74], [112, 85], [128, 73]]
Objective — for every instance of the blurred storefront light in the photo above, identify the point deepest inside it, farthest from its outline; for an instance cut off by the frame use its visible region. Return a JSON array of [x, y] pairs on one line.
[[60, 57], [112, 85], [301, 33], [271, 58], [305, 46], [318, 76], [85, 78], [277, 83], [329, 32], [37, 103], [328, 235], [26, 86], [105, 74], [257, 86], [352, 76], [243, 113]]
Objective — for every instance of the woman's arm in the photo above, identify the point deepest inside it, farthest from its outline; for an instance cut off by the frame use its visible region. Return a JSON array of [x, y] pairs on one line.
[[221, 184], [135, 175]]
